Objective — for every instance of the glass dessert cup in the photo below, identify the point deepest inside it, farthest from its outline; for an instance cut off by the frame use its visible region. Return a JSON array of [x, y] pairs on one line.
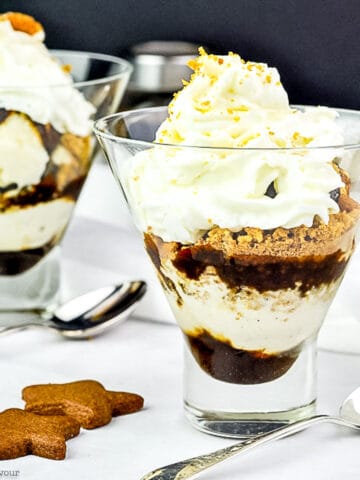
[[39, 190], [250, 302]]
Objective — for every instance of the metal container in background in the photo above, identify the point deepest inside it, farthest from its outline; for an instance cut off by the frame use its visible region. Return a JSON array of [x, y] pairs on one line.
[[159, 68]]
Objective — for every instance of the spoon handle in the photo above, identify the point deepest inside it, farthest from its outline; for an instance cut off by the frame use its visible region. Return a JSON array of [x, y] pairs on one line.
[[15, 321], [187, 468]]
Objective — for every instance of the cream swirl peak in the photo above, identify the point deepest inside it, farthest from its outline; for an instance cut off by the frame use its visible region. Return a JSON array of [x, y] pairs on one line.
[[233, 103], [33, 82], [179, 193]]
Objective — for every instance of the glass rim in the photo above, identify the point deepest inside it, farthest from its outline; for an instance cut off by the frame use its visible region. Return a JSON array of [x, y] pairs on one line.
[[101, 129], [126, 69]]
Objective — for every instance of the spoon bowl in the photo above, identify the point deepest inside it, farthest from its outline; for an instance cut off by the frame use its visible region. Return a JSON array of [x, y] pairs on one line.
[[349, 416], [84, 316]]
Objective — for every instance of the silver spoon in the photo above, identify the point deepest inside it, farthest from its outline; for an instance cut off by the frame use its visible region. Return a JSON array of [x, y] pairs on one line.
[[349, 416], [83, 316]]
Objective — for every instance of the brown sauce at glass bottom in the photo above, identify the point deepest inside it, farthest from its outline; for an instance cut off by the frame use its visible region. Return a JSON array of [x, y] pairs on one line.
[[228, 364], [14, 263]]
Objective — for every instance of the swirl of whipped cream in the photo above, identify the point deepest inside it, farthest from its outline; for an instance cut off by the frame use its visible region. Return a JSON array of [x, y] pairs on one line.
[[178, 193], [33, 82]]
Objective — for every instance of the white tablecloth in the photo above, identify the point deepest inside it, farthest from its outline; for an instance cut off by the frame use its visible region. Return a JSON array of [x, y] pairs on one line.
[[145, 356]]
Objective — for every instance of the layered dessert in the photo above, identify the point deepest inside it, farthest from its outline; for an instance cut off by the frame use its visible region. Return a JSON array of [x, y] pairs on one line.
[[45, 144], [247, 218]]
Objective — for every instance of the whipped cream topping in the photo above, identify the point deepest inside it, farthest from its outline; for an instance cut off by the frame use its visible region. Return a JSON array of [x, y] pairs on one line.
[[33, 82], [178, 193]]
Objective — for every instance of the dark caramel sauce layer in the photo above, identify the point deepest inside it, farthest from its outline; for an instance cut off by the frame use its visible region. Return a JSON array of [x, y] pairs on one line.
[[153, 252], [14, 263], [223, 362], [261, 272], [154, 255], [50, 137], [42, 192], [3, 114]]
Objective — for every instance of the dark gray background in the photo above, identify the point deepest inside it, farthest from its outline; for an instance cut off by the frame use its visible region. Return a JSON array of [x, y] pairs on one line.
[[314, 43]]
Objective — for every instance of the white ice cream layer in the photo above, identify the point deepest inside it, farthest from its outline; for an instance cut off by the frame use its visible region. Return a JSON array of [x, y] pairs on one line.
[[273, 321], [34, 226], [179, 193], [33, 82], [23, 157]]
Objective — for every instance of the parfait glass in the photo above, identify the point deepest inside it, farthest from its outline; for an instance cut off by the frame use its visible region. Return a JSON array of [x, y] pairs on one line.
[[250, 302], [39, 190]]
